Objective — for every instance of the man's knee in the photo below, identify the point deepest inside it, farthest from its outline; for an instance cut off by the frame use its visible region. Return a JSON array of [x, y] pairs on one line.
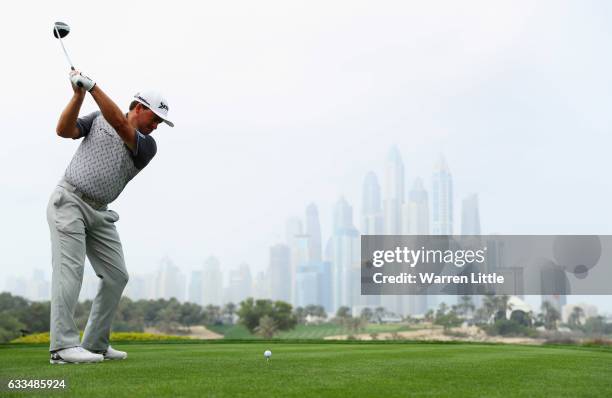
[[116, 281]]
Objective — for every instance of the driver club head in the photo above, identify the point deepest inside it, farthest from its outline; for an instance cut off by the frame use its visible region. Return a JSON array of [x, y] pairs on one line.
[[60, 30]]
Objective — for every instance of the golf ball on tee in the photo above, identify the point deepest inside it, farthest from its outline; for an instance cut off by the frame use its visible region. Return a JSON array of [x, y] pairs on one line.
[[267, 354]]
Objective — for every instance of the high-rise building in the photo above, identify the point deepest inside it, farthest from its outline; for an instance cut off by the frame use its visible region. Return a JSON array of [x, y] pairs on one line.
[[240, 284], [212, 282], [371, 212], [415, 212], [442, 204], [442, 216], [279, 273], [297, 242], [470, 216], [313, 230], [170, 281], [261, 286], [346, 256], [393, 193], [195, 288], [314, 285]]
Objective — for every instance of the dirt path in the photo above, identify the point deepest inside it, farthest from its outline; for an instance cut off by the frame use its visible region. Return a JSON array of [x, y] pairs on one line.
[[196, 332], [472, 334]]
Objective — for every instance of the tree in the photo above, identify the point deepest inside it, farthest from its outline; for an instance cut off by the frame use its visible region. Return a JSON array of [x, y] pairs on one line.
[[230, 309], [466, 306], [495, 306], [343, 312], [251, 311], [191, 314], [267, 327], [447, 319], [300, 315], [212, 314], [9, 328], [429, 315], [367, 314], [379, 314], [575, 316], [550, 315]]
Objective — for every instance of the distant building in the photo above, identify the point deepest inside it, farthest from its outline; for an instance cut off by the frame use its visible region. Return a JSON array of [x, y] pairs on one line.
[[442, 205], [371, 212], [470, 216], [313, 230], [170, 281], [279, 273], [212, 282], [393, 193]]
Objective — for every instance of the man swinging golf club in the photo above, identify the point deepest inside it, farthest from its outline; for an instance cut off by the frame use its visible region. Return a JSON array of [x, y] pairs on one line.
[[115, 147]]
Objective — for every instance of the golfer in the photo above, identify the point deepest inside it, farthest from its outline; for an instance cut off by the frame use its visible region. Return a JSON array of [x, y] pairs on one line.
[[115, 147]]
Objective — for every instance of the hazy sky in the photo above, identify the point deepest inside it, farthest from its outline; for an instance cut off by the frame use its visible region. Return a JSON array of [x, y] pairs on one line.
[[280, 103]]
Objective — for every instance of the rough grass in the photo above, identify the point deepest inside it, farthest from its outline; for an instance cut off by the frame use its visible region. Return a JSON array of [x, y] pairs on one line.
[[374, 369]]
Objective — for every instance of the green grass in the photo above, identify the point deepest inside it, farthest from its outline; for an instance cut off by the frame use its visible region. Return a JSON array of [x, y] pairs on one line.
[[378, 369], [305, 332]]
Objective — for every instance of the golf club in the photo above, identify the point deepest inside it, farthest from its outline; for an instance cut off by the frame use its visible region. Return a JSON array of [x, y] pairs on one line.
[[61, 29]]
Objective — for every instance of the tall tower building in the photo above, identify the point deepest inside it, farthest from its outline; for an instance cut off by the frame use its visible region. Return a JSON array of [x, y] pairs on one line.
[[470, 216], [170, 281], [279, 274], [345, 253], [415, 212], [313, 230], [195, 288], [393, 193], [240, 284], [371, 213], [212, 282], [442, 206], [415, 221]]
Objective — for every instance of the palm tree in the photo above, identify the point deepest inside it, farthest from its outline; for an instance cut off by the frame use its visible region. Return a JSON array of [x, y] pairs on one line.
[[575, 316], [267, 327], [465, 306], [550, 315]]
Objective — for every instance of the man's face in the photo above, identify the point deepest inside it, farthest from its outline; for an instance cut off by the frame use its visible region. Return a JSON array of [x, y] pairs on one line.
[[146, 120]]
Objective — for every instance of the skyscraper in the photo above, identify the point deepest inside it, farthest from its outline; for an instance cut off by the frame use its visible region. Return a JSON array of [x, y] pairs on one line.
[[195, 288], [415, 221], [442, 215], [212, 282], [442, 206], [313, 230], [470, 216], [298, 250], [279, 273], [170, 281], [393, 193], [415, 212], [371, 212], [345, 256], [240, 284]]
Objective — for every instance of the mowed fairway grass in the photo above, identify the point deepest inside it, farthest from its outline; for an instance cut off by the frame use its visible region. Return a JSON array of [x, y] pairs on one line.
[[355, 369]]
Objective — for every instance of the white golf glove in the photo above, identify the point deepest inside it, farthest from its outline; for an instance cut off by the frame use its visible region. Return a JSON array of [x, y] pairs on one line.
[[80, 80]]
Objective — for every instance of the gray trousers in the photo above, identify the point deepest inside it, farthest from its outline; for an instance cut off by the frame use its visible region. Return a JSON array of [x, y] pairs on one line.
[[78, 229]]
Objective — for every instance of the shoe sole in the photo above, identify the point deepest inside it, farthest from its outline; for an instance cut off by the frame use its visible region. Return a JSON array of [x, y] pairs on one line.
[[62, 362]]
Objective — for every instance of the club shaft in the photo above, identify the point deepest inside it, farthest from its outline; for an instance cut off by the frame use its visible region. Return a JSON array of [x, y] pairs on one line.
[[64, 48]]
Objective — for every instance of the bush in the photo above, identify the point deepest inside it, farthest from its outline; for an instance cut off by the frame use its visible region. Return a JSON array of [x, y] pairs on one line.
[[503, 327], [43, 338]]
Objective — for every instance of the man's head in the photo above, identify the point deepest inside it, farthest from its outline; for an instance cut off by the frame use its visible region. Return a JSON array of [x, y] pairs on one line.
[[147, 110]]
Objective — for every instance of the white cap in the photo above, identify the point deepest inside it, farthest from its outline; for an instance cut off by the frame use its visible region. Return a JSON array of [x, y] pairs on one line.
[[155, 102]]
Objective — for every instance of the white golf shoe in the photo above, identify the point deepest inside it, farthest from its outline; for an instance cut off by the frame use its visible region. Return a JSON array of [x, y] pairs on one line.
[[75, 355], [111, 354]]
